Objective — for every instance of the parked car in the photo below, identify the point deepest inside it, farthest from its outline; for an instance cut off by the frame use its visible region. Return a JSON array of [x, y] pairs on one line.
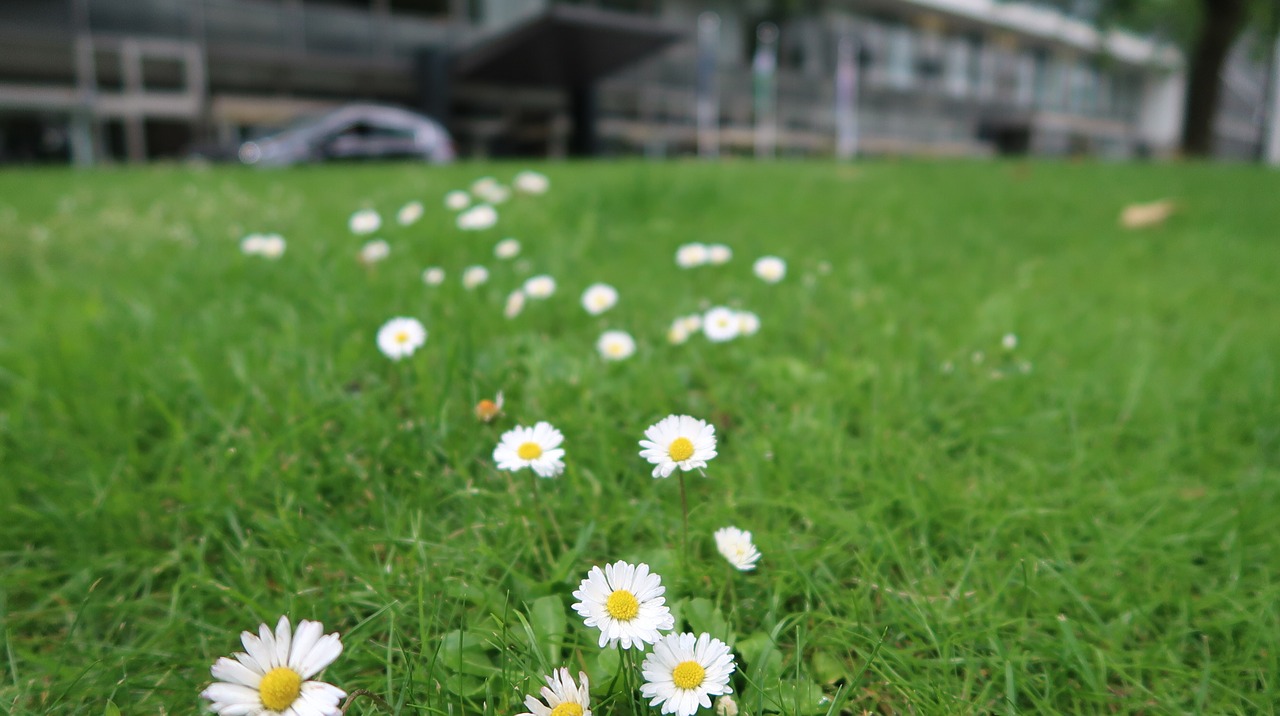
[[356, 131]]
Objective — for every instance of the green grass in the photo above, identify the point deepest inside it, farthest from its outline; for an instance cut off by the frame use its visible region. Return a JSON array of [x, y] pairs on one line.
[[193, 441]]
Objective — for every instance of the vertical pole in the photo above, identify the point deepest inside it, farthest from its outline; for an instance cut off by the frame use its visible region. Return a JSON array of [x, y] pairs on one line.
[[135, 134], [707, 101], [846, 98], [83, 131], [1271, 140], [582, 111], [764, 72]]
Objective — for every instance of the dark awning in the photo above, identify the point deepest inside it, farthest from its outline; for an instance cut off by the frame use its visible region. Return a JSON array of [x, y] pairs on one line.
[[564, 46]]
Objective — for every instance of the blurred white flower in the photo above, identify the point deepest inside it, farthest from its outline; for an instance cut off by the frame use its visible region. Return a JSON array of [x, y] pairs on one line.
[[1010, 341], [489, 190], [515, 304], [721, 324], [457, 200], [272, 246], [478, 218], [719, 254], [978, 357], [374, 251], [531, 182], [690, 255], [365, 221], [770, 269], [507, 249], [400, 337], [1024, 367], [598, 298], [251, 245], [677, 333], [433, 276], [483, 186], [736, 546], [748, 323], [692, 322], [409, 213], [474, 276], [616, 345], [541, 286], [726, 706]]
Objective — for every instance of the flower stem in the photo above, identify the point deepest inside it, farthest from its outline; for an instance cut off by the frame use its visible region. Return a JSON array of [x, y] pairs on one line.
[[684, 541]]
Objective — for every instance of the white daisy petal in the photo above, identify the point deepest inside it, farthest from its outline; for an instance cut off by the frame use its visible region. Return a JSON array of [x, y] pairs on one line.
[[270, 680], [623, 604], [234, 672], [682, 442], [536, 448], [683, 672]]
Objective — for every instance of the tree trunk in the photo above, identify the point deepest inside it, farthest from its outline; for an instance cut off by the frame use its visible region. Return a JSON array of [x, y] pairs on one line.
[[1221, 22]]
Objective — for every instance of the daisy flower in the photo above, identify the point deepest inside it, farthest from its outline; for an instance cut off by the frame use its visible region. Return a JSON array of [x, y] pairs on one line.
[[374, 251], [515, 304], [507, 249], [400, 337], [719, 254], [690, 255], [678, 333], [272, 246], [477, 218], [721, 324], [748, 323], [490, 190], [433, 276], [726, 706], [770, 269], [474, 276], [684, 671], [678, 441], [562, 696], [457, 200], [625, 602], [1009, 342], [487, 410], [251, 245], [409, 213], [736, 546], [537, 448], [365, 221], [616, 345], [598, 298], [531, 182], [540, 286], [272, 676], [692, 322]]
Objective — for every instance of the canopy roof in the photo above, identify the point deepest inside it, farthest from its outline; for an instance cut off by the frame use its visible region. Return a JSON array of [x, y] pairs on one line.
[[564, 46]]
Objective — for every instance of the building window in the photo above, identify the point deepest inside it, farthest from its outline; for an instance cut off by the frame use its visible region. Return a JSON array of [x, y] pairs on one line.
[[956, 80], [900, 70]]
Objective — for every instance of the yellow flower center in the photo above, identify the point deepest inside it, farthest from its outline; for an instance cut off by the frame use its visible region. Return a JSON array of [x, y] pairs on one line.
[[622, 605], [688, 675], [681, 449], [402, 337], [567, 709], [529, 451], [280, 688]]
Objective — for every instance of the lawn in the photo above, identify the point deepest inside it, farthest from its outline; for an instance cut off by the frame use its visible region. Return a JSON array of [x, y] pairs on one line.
[[194, 441]]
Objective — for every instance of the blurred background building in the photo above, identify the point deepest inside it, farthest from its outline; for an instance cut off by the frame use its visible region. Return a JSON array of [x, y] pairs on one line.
[[111, 80]]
